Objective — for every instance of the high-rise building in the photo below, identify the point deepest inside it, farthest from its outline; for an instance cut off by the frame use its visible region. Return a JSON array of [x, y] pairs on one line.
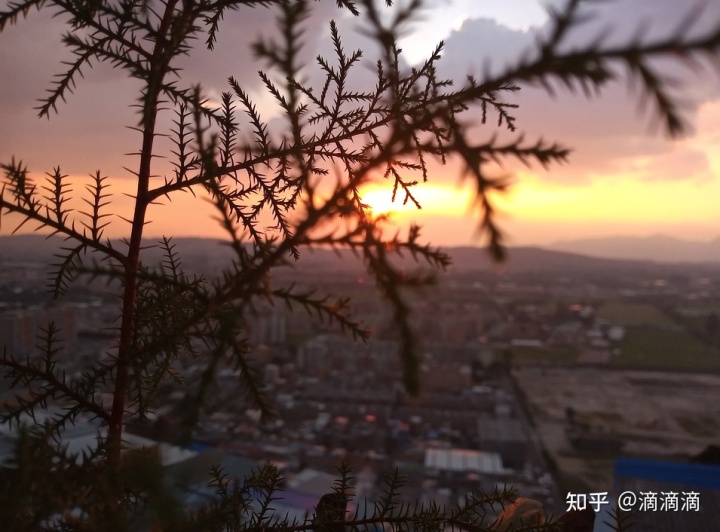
[[22, 329]]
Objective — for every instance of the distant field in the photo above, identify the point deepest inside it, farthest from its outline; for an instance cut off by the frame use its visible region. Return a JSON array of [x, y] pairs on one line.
[[633, 314], [523, 355], [660, 347]]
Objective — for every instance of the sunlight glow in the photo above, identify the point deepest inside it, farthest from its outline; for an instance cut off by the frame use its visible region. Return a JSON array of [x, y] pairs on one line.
[[620, 198], [379, 200], [433, 198]]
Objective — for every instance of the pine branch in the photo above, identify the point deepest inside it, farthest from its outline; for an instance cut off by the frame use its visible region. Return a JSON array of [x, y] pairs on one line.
[[18, 9], [44, 382], [66, 270], [620, 521], [185, 161], [396, 127], [98, 202], [23, 199], [324, 309]]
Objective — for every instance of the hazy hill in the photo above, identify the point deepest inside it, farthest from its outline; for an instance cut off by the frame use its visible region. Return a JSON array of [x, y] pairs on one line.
[[657, 248], [210, 254]]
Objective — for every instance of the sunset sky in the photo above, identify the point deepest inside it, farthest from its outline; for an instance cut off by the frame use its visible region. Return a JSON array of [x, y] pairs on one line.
[[624, 176]]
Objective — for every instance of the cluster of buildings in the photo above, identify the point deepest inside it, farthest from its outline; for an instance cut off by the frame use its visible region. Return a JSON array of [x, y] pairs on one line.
[[339, 399]]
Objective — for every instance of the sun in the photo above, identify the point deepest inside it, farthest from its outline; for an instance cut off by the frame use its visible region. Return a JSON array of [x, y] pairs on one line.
[[379, 201], [434, 200]]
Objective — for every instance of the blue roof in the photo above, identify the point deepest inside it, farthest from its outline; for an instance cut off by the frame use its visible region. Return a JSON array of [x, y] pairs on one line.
[[199, 446], [689, 474]]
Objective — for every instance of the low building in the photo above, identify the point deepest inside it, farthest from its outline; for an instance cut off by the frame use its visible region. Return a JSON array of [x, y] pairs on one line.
[[463, 461], [506, 437]]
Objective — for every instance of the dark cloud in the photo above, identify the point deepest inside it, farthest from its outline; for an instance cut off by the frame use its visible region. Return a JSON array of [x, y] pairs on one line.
[[644, 20], [482, 48], [239, 30], [90, 133], [87, 125]]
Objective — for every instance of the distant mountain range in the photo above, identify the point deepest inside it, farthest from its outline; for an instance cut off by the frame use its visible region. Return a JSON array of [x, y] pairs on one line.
[[658, 248], [580, 256]]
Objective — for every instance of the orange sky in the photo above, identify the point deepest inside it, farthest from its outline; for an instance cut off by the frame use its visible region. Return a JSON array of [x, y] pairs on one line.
[[533, 211], [657, 186]]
